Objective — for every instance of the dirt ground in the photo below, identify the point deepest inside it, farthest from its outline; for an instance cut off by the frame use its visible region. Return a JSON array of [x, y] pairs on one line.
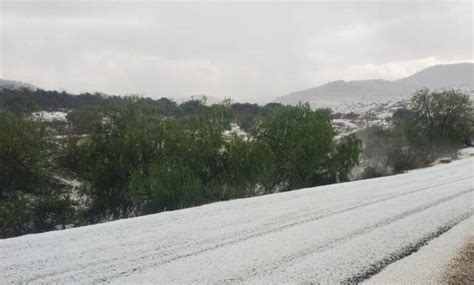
[[461, 268]]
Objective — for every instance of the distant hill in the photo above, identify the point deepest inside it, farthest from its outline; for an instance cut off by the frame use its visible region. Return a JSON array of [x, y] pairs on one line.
[[12, 84], [336, 93], [442, 76]]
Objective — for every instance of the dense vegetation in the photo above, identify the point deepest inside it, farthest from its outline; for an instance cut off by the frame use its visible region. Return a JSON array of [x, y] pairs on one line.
[[140, 161], [434, 125], [138, 158], [83, 106], [30, 198]]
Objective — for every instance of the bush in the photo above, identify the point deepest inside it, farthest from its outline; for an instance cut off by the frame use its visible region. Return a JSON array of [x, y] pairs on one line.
[[140, 162], [83, 121], [441, 119], [370, 172], [53, 212], [30, 199], [23, 152], [139, 156], [302, 151], [436, 124]]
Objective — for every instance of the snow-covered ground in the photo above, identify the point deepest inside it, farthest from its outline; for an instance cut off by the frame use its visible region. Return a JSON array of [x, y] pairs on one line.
[[348, 232], [235, 130], [50, 116], [430, 263], [355, 117]]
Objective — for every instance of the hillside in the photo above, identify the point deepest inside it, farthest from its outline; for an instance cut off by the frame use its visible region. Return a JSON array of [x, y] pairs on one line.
[[12, 84], [442, 76], [337, 93], [339, 233]]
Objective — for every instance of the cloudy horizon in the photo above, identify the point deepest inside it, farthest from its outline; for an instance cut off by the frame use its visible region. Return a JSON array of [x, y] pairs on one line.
[[251, 52]]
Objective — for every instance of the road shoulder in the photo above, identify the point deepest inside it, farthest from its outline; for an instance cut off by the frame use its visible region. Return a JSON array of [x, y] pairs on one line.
[[446, 259]]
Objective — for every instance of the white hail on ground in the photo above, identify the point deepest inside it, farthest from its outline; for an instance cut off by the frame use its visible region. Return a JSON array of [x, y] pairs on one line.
[[339, 233]]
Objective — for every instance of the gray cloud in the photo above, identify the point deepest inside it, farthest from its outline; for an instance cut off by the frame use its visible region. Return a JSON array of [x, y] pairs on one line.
[[247, 51]]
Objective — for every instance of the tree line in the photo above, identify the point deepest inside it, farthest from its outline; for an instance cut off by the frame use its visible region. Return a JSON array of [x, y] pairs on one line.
[[85, 106], [135, 159]]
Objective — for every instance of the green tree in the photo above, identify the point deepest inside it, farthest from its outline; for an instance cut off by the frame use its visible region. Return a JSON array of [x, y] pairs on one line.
[[244, 162], [23, 153], [18, 102], [140, 162], [125, 142], [434, 124], [440, 118], [83, 121], [26, 180], [302, 149], [345, 157], [209, 150]]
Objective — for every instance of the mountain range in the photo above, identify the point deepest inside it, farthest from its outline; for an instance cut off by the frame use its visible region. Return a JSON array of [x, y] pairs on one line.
[[336, 93], [339, 93]]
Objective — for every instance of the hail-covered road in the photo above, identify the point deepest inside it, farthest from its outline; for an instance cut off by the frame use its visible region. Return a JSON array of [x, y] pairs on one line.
[[339, 233]]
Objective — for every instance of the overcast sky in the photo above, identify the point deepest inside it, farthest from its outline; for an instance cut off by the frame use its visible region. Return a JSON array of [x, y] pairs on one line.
[[247, 51]]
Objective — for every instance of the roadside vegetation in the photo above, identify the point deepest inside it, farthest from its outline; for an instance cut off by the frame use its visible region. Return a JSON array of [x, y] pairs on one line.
[[434, 125], [31, 199], [137, 156]]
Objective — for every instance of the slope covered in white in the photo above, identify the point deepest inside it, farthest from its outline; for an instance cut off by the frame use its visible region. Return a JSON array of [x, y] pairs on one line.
[[339, 233]]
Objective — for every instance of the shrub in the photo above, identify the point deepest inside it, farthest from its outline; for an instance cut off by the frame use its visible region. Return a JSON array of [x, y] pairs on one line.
[[441, 119], [435, 124], [30, 198], [302, 149]]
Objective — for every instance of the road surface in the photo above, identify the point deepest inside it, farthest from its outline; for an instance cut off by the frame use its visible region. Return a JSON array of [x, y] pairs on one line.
[[347, 232]]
